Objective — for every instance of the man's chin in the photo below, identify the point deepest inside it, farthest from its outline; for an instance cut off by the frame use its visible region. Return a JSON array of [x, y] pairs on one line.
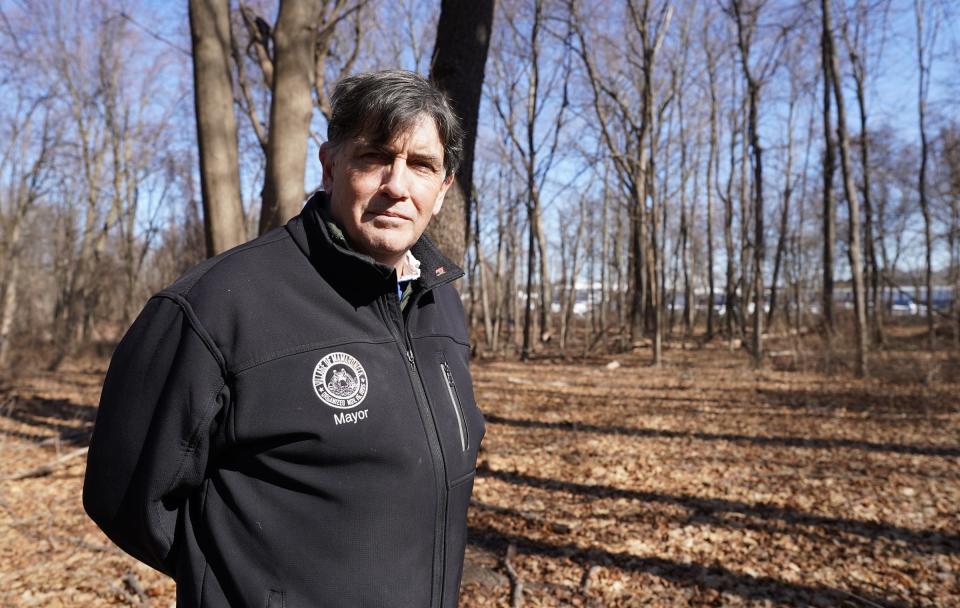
[[387, 248]]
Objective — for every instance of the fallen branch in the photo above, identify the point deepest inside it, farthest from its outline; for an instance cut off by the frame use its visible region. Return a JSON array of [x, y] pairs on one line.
[[48, 468]]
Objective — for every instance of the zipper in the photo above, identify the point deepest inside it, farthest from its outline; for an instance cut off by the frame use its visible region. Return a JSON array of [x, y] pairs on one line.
[[405, 343], [455, 402]]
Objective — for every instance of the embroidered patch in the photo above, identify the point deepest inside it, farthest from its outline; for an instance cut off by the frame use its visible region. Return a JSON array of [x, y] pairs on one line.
[[340, 381]]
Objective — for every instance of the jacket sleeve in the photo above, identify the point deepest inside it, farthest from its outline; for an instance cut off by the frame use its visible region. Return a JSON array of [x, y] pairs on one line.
[[152, 437]]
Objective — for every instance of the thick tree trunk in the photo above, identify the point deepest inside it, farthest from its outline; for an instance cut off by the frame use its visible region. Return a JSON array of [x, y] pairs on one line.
[[291, 108], [216, 125], [457, 68]]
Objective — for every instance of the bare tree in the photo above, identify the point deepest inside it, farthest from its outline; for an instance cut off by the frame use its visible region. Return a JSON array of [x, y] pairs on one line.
[[925, 44], [745, 17], [854, 249], [616, 110], [26, 164], [788, 186], [829, 205], [713, 162], [858, 49], [570, 260], [522, 101], [950, 162]]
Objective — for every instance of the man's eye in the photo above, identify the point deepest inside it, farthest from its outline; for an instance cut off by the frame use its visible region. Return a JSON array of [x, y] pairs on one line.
[[374, 157], [423, 166]]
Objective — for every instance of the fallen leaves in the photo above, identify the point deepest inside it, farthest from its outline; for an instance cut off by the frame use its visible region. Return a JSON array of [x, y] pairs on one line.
[[720, 486], [703, 483]]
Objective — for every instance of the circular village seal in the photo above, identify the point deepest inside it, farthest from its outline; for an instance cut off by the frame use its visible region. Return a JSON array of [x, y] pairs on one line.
[[340, 381]]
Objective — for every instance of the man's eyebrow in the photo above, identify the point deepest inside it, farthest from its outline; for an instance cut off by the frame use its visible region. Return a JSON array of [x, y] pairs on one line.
[[368, 146], [425, 157]]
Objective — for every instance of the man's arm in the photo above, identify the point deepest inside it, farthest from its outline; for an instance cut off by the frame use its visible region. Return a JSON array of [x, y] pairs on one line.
[[151, 441]]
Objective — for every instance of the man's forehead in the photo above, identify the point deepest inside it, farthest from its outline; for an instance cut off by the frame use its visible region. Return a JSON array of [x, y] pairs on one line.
[[422, 130]]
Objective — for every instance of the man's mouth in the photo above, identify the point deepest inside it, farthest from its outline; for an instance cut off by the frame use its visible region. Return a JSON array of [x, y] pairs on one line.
[[390, 213]]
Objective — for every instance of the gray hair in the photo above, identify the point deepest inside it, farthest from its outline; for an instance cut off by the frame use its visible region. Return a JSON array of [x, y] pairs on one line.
[[380, 105]]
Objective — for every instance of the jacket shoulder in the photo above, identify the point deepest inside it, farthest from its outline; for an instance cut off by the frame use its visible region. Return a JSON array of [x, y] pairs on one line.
[[214, 270]]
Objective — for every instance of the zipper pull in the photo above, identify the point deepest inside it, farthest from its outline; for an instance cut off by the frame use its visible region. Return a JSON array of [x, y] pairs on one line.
[[410, 358]]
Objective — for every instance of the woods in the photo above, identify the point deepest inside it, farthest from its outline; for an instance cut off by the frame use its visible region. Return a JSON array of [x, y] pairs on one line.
[[645, 171]]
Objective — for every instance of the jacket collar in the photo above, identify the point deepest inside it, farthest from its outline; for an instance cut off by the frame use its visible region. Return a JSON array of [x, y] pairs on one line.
[[310, 232]]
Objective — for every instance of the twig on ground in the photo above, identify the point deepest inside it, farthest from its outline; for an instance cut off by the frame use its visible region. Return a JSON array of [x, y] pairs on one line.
[[863, 599], [133, 583], [516, 585], [117, 590], [47, 468], [588, 571]]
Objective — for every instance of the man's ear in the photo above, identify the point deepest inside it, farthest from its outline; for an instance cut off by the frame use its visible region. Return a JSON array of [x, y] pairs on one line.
[[327, 159], [443, 191]]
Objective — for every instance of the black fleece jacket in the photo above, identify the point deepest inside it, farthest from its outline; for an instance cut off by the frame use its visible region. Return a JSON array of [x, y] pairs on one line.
[[274, 431]]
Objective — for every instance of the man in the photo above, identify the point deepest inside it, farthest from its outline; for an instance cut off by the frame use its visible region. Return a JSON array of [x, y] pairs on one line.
[[292, 422]]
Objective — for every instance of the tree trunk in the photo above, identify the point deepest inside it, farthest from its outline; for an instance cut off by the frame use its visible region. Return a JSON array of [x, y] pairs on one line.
[[829, 206], [785, 210], [924, 76], [8, 288], [745, 199], [875, 318], [746, 24], [216, 125], [291, 108], [730, 288], [955, 262], [657, 265], [604, 224], [528, 304], [713, 159], [850, 192], [484, 283], [457, 68], [546, 293]]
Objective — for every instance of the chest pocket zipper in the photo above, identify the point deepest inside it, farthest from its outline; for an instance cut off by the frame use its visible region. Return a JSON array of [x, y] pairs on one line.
[[455, 402]]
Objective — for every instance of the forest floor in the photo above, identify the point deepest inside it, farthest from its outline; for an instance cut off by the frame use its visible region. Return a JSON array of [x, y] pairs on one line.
[[602, 482]]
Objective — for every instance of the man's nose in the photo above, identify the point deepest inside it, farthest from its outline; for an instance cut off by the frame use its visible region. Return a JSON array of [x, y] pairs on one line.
[[395, 183]]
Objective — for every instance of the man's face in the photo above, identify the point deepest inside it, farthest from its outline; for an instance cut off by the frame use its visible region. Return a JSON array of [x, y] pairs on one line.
[[384, 195]]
